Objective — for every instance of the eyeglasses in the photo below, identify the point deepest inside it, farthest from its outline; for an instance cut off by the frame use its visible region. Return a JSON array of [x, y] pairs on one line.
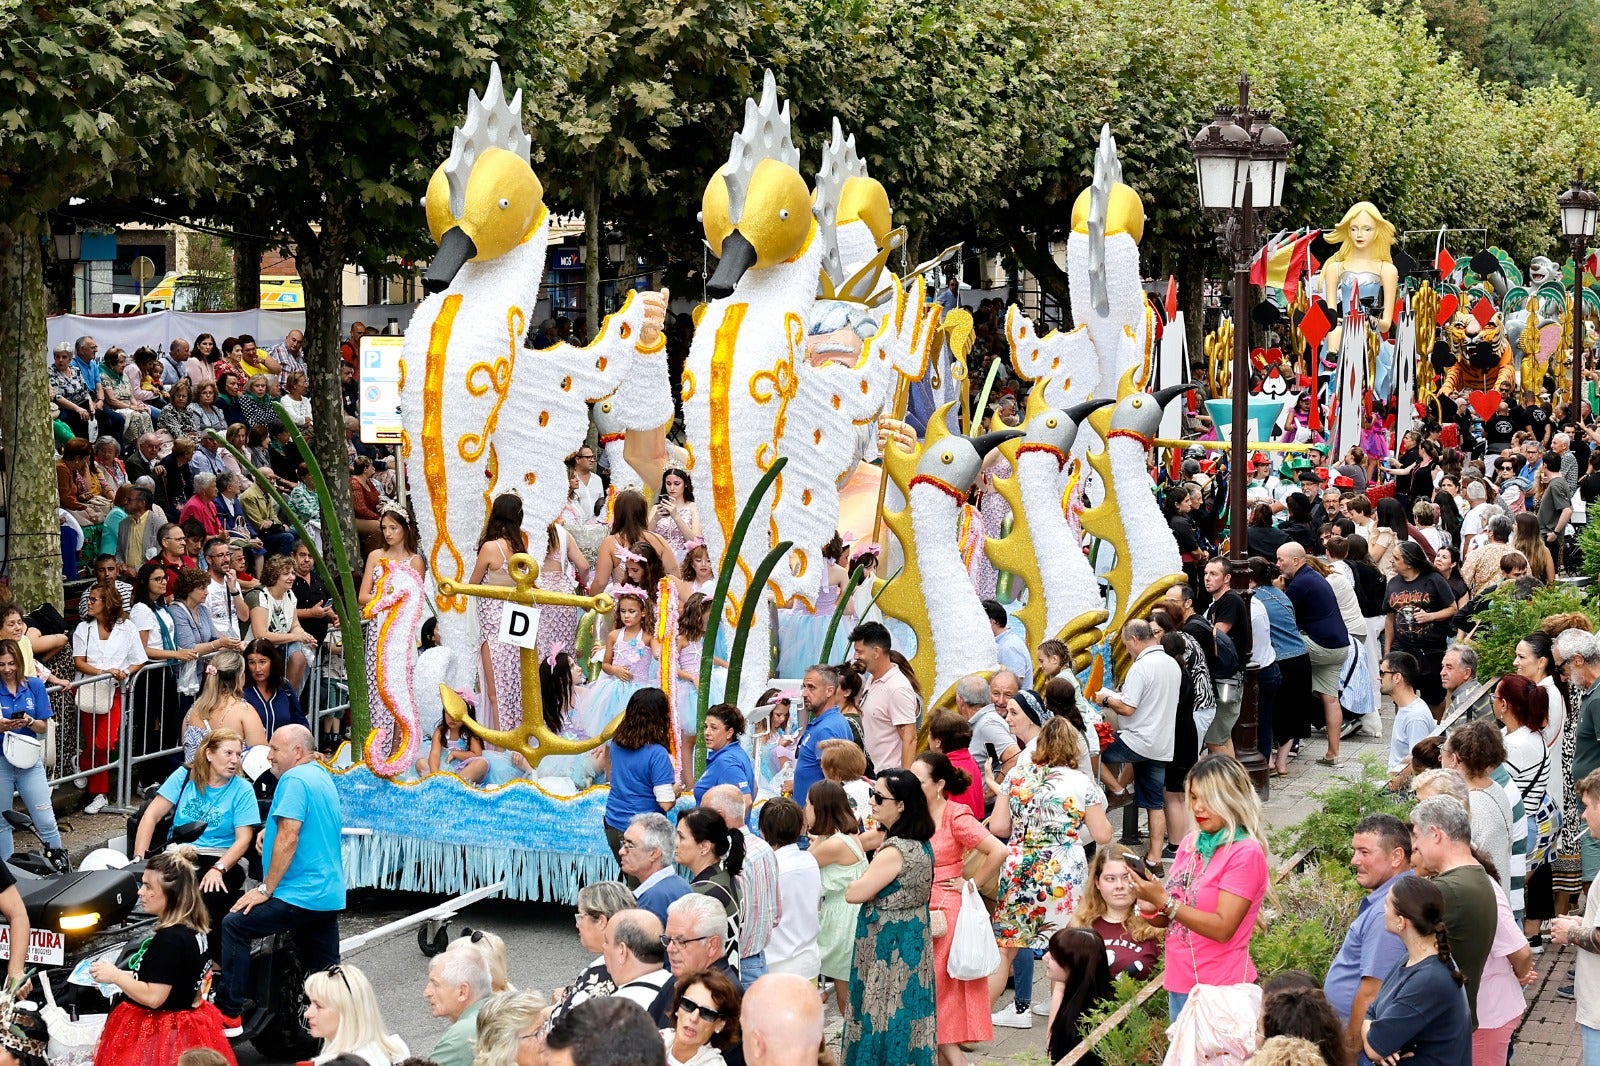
[[338, 971], [580, 916], [877, 797], [670, 942], [628, 845], [689, 1006]]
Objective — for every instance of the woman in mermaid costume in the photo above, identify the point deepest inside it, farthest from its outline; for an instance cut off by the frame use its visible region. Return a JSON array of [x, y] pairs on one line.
[[801, 632]]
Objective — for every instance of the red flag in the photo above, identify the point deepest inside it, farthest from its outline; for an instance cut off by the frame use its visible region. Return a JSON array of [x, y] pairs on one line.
[[1172, 296], [1444, 262]]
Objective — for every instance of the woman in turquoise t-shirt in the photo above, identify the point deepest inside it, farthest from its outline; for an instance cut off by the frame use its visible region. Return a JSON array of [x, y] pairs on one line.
[[210, 790], [1215, 887]]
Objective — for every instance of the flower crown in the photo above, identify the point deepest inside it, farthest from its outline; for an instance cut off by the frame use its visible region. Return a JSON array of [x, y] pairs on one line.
[[627, 556], [691, 545], [619, 591]]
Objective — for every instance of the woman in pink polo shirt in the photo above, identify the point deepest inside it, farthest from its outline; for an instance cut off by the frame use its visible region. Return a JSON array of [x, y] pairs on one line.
[[1214, 886]]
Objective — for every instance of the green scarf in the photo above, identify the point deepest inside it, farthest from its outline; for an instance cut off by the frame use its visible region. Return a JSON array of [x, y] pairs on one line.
[[1208, 843]]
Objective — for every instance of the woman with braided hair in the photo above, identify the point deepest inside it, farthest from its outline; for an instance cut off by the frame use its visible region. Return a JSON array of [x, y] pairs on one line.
[[1421, 1012]]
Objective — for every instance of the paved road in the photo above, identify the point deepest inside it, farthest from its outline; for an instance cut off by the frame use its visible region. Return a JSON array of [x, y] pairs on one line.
[[540, 938]]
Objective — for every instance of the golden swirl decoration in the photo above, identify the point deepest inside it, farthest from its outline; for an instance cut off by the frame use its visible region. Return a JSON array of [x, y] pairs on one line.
[[723, 492], [686, 385], [498, 375], [433, 448]]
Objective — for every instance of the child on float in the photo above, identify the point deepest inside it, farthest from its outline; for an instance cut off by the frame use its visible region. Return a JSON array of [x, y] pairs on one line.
[[455, 749], [801, 632], [692, 622], [559, 678], [629, 662]]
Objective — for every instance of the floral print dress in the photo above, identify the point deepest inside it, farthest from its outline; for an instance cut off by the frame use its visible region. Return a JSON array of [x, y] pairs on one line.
[[891, 1019], [1045, 868]]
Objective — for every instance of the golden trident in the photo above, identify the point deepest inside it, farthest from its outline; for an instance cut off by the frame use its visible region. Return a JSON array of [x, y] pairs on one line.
[[524, 572]]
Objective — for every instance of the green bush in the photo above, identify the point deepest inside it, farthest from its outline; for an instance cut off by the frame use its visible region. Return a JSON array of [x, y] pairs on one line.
[[1589, 542], [1141, 1039], [1326, 832], [1507, 620], [1305, 919]]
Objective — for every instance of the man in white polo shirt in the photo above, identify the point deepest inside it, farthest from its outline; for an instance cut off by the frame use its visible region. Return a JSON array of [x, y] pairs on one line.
[[1146, 714]]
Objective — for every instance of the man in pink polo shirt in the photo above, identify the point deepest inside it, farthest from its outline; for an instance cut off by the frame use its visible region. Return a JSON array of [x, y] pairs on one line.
[[888, 702]]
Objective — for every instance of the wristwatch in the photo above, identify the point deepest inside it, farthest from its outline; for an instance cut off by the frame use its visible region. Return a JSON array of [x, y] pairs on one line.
[[266, 893]]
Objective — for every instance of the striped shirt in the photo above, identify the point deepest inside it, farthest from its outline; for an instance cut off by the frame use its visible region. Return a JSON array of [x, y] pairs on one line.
[[1519, 839], [758, 888]]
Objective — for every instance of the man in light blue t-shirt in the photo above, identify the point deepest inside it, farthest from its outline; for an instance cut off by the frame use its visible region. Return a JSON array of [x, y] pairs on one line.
[[303, 890]]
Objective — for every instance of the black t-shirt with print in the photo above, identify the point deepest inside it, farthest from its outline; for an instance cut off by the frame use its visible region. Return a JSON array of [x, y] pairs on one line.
[[174, 956], [1429, 593], [1498, 431]]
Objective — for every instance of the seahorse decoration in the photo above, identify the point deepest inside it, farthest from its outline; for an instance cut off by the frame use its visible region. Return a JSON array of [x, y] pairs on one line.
[[463, 364], [1043, 548], [740, 374], [398, 598], [933, 594], [1127, 517], [1104, 280]]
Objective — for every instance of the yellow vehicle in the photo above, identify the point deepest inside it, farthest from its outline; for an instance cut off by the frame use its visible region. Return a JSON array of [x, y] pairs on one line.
[[196, 292]]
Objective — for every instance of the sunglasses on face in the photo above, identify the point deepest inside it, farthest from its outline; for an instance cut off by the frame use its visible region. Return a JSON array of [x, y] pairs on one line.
[[689, 1006], [877, 797]]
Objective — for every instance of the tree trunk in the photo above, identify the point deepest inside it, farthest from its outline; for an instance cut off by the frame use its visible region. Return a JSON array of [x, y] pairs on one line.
[[321, 257], [32, 561], [246, 273], [1191, 300], [321, 263], [1033, 253], [591, 253]]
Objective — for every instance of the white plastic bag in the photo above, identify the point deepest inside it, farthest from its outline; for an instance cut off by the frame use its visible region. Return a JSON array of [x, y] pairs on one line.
[[72, 1043], [973, 952]]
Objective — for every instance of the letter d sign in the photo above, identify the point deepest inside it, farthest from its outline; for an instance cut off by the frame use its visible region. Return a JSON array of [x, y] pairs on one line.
[[519, 625]]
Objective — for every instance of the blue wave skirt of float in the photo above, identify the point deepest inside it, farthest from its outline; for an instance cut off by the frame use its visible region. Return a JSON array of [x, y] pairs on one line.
[[440, 834]]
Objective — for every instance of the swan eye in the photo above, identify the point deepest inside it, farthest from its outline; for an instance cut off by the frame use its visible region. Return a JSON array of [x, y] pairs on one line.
[[504, 203], [947, 458], [783, 215]]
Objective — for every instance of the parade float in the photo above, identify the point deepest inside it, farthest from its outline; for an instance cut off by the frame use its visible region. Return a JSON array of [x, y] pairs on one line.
[[821, 393]]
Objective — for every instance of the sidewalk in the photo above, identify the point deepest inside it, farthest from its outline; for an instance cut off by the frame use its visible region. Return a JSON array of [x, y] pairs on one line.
[[1290, 802]]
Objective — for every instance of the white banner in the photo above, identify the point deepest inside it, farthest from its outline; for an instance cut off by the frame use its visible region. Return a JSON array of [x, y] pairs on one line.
[[159, 329]]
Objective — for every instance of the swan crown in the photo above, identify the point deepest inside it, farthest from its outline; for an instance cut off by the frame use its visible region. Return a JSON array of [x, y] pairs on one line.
[[492, 121]]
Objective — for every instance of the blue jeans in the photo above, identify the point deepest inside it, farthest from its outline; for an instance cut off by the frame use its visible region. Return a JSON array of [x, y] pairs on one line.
[[1175, 1002], [1591, 1045], [1022, 977], [36, 797], [315, 935], [750, 968]]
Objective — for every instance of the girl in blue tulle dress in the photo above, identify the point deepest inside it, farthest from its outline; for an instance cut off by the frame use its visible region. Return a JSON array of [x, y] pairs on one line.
[[629, 665], [801, 632], [691, 646]]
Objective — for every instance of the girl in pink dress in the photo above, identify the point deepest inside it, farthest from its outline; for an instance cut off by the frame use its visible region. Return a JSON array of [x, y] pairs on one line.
[[630, 663], [962, 1007]]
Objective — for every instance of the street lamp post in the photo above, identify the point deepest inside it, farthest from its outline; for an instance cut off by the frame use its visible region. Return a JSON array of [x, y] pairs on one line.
[[1240, 160], [1580, 208]]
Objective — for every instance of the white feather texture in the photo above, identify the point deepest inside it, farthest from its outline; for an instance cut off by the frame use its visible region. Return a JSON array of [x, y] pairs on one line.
[[963, 643], [496, 299], [435, 667], [759, 332], [1152, 549], [1064, 364], [1125, 292], [609, 423], [644, 398], [1068, 583], [822, 437]]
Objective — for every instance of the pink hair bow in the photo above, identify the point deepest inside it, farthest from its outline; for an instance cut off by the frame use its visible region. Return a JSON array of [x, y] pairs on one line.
[[555, 651], [628, 590], [627, 556], [691, 545]]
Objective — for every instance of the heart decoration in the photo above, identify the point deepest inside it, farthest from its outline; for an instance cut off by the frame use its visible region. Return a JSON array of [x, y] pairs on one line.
[[1448, 304], [1484, 404]]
